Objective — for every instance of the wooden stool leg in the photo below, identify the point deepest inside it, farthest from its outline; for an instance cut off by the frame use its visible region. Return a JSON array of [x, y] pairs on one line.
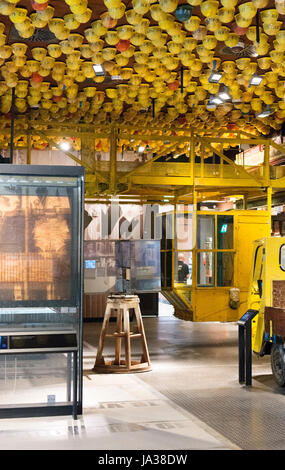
[[118, 340], [127, 338], [145, 355], [99, 356]]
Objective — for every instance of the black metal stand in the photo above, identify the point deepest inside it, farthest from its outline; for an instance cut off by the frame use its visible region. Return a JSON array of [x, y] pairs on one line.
[[245, 347]]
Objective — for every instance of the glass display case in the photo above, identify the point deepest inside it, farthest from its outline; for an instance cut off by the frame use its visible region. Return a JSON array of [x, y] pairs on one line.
[[122, 266], [138, 266], [41, 286]]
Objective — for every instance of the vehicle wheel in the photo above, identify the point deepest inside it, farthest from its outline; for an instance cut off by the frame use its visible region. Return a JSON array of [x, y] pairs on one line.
[[278, 364]]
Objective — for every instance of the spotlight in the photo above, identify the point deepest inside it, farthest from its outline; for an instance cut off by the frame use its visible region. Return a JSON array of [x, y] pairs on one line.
[[211, 104], [224, 95], [99, 70], [217, 100], [265, 112], [141, 149], [64, 146], [255, 80], [215, 77]]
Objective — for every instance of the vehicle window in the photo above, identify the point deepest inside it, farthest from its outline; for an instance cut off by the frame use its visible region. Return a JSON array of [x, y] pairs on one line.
[[282, 257]]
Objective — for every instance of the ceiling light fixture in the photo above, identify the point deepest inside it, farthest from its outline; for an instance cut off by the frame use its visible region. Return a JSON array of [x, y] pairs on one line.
[[99, 70], [217, 100], [224, 94], [65, 146], [255, 80], [265, 112], [210, 104], [215, 76]]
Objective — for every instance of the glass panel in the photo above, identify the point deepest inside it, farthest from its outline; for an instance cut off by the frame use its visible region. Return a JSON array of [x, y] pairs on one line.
[[38, 243], [225, 232], [183, 267], [145, 266], [49, 375], [282, 257], [258, 257], [257, 270], [99, 266], [225, 269], [40, 280], [122, 266], [183, 235], [205, 232], [205, 269]]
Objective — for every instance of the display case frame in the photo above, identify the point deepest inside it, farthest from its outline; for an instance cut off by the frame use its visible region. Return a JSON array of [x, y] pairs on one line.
[[69, 309]]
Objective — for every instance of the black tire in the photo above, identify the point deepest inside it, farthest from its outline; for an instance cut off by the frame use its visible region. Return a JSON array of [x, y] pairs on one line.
[[278, 364]]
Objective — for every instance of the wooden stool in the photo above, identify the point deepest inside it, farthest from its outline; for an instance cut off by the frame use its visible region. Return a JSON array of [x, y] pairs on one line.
[[121, 306]]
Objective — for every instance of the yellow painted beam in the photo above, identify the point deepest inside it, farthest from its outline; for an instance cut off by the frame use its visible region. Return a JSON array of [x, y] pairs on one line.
[[162, 180], [230, 140], [227, 182], [152, 137], [279, 183]]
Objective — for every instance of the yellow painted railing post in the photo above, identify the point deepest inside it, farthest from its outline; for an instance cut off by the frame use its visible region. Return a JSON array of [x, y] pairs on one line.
[[192, 156], [194, 252], [202, 172], [269, 204]]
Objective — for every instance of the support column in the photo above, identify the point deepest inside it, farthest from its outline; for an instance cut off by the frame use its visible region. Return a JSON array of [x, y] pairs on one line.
[[113, 159], [269, 204], [12, 126], [192, 156], [194, 243], [88, 149], [266, 166]]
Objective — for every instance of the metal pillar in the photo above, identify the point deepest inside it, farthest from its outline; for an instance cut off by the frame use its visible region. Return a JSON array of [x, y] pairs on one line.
[[12, 127], [113, 159]]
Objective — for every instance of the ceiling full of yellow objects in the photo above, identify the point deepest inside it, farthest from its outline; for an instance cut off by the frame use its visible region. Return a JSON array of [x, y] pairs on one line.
[[157, 58]]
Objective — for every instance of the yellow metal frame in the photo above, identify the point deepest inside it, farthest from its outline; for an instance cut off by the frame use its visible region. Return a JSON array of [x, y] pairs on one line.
[[178, 180]]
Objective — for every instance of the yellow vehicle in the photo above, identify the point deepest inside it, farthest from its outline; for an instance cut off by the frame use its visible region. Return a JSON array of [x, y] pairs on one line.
[[267, 296], [216, 248]]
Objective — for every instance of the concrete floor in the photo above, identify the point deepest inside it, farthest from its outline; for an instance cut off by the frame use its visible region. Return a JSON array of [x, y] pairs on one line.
[[191, 399]]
